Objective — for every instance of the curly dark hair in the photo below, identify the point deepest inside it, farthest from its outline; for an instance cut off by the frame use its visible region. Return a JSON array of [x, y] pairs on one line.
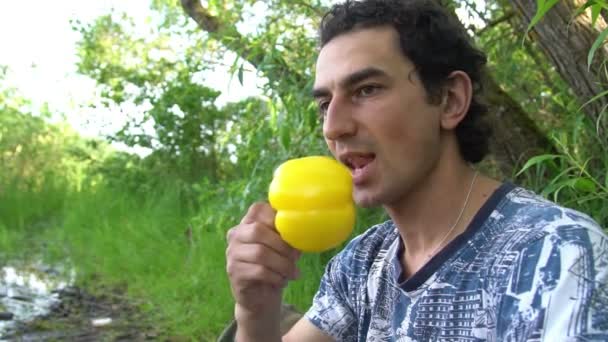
[[437, 45]]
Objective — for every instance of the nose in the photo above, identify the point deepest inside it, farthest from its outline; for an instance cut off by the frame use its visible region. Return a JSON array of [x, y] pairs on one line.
[[339, 121]]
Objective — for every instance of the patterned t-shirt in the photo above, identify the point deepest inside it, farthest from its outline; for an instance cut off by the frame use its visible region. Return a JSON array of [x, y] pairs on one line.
[[525, 269]]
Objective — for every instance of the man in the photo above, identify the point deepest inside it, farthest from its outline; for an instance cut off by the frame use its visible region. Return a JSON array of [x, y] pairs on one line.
[[463, 257]]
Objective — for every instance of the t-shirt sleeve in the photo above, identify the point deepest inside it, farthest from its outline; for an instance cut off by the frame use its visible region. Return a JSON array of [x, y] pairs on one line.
[[331, 310], [560, 289]]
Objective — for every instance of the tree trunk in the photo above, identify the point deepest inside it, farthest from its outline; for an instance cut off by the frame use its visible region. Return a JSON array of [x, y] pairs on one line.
[[566, 40], [516, 136]]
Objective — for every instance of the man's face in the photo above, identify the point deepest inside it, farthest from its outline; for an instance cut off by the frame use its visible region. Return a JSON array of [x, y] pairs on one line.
[[377, 120]]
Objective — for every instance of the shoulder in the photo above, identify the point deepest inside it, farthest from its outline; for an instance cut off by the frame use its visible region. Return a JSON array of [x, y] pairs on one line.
[[547, 236], [526, 205], [364, 251], [336, 305], [366, 247], [525, 230], [526, 212], [558, 262]]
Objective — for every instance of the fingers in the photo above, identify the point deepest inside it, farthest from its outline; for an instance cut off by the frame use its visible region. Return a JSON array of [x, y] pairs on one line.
[[258, 233], [257, 244], [243, 274], [256, 254], [257, 264], [260, 212], [266, 256]]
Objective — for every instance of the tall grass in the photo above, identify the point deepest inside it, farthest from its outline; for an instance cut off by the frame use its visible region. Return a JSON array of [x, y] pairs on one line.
[[25, 209], [142, 243], [137, 242], [167, 255], [577, 175], [20, 209]]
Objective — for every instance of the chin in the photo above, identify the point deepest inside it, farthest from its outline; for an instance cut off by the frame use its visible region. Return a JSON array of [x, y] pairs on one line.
[[366, 200]]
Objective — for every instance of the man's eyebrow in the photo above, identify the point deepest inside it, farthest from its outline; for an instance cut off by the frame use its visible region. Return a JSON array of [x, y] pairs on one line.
[[350, 80], [361, 75], [319, 92]]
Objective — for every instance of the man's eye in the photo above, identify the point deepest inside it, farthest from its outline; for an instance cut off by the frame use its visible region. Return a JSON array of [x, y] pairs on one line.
[[367, 90], [323, 105]]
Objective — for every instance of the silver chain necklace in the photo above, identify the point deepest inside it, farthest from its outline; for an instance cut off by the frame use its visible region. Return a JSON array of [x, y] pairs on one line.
[[466, 201]]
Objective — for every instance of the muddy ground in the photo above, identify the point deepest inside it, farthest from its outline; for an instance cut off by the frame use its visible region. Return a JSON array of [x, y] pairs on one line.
[[80, 316]]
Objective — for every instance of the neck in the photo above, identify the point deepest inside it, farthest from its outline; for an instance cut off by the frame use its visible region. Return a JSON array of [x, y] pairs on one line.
[[437, 210], [429, 211]]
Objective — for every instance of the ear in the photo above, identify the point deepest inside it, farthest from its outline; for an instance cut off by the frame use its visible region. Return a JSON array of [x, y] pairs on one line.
[[457, 96]]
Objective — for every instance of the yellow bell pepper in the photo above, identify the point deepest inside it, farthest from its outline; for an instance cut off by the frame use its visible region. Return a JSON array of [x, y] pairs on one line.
[[313, 200]]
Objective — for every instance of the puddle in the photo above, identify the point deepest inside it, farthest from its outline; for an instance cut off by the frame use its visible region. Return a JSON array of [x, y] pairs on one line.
[[42, 303], [28, 291]]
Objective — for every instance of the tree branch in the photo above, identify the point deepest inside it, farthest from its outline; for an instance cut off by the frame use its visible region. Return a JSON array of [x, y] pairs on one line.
[[506, 17], [233, 40], [227, 35], [197, 12]]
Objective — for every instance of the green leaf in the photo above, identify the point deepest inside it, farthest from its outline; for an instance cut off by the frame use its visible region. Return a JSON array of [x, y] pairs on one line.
[[598, 42], [604, 93], [537, 160], [584, 184], [233, 67], [595, 12], [560, 178], [285, 139], [240, 74], [273, 114], [602, 3], [543, 8], [579, 183], [554, 188], [583, 8]]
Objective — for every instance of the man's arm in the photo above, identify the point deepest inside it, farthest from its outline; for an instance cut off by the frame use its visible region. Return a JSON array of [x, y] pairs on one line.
[[304, 331]]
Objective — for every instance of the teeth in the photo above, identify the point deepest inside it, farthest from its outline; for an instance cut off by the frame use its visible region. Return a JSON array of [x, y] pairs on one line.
[[358, 162]]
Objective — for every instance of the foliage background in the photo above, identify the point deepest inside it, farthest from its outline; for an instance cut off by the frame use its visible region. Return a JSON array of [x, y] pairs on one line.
[[154, 225]]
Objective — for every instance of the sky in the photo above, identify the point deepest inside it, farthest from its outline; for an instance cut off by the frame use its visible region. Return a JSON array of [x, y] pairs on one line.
[[39, 48]]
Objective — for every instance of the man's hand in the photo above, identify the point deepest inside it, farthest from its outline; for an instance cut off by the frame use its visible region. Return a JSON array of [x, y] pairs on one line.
[[259, 265]]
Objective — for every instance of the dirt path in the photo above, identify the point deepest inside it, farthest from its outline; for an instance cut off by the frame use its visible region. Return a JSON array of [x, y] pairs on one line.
[[80, 316]]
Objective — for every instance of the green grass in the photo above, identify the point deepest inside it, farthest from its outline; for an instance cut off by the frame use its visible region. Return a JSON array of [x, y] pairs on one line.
[[139, 243], [24, 210]]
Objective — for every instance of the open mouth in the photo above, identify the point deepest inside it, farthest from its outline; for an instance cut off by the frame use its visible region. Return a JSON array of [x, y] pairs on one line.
[[358, 163]]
